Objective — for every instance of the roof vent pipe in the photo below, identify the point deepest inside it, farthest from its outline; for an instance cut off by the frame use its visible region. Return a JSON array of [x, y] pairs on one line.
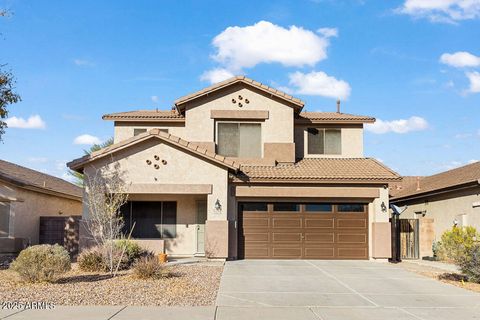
[[338, 106], [418, 184]]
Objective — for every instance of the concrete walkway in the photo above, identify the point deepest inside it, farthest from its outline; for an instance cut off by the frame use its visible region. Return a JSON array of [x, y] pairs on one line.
[[317, 290]]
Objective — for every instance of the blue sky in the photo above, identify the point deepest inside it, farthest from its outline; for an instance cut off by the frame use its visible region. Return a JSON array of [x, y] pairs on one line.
[[413, 60]]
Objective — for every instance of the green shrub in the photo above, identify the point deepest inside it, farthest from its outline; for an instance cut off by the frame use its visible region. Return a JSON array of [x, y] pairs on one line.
[[42, 263], [456, 242], [133, 251], [96, 259], [469, 263], [150, 268], [91, 260]]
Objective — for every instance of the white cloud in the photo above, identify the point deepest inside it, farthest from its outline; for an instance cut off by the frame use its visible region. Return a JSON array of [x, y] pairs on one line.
[[86, 139], [472, 161], [448, 11], [155, 99], [37, 159], [318, 83], [460, 59], [265, 42], [33, 122], [398, 126], [328, 32], [474, 78], [216, 75], [82, 62]]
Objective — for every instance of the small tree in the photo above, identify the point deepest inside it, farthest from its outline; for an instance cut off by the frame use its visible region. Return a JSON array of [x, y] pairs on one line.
[[78, 177], [107, 193]]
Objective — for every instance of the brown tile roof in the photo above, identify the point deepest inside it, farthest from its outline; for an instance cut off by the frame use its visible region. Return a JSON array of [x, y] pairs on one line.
[[326, 117], [398, 187], [28, 178], [145, 115], [280, 94], [321, 170], [194, 148], [469, 174]]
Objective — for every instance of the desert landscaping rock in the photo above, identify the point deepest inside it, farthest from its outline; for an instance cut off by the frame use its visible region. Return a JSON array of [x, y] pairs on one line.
[[190, 285]]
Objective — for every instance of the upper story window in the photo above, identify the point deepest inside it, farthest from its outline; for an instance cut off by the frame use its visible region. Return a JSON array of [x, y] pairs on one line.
[[324, 141], [240, 140]]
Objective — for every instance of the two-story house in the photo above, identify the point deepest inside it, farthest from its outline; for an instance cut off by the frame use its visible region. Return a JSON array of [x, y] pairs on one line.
[[237, 170]]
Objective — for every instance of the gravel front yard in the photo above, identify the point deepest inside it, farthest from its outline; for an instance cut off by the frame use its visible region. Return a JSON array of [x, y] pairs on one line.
[[455, 279], [190, 285]]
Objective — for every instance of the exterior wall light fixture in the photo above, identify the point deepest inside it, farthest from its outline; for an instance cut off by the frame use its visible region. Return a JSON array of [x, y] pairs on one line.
[[383, 207], [218, 206]]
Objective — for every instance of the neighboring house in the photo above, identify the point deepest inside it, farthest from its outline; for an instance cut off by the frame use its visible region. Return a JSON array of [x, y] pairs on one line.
[[237, 170], [449, 198], [25, 196]]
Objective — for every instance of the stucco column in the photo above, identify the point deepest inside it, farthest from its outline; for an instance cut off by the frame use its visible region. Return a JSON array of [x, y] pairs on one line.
[[380, 229]]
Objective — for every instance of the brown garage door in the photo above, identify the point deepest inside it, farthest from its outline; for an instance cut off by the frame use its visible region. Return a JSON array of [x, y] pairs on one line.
[[303, 230]]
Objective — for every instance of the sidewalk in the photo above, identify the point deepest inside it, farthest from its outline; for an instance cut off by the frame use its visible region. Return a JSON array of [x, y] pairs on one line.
[[112, 313]]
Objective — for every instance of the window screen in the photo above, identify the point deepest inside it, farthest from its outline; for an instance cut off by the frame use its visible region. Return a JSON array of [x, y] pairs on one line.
[[152, 219], [228, 139], [4, 219], [315, 141], [324, 141], [243, 140], [333, 142]]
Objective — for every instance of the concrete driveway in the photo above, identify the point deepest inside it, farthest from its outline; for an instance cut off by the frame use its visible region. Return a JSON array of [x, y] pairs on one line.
[[258, 289]]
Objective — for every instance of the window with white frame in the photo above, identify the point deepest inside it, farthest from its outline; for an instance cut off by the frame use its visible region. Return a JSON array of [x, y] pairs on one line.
[[4, 219], [240, 140], [324, 141]]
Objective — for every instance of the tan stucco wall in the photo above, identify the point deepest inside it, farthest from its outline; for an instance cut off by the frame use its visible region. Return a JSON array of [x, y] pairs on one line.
[[352, 141], [375, 214], [124, 130], [201, 127], [25, 212], [444, 209], [180, 168]]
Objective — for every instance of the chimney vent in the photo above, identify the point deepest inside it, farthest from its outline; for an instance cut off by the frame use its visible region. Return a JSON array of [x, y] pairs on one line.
[[338, 106]]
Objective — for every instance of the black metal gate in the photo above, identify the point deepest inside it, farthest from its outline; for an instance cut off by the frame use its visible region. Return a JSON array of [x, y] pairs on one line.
[[61, 230]]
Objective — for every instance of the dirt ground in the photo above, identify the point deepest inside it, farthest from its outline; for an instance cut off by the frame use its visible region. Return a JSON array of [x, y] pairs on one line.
[[455, 279]]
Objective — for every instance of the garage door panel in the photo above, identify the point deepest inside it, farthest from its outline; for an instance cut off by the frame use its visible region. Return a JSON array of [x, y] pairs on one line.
[[352, 253], [255, 222], [351, 223], [360, 238], [286, 252], [256, 237], [319, 223], [319, 253], [286, 222], [287, 236], [252, 252], [311, 237]]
